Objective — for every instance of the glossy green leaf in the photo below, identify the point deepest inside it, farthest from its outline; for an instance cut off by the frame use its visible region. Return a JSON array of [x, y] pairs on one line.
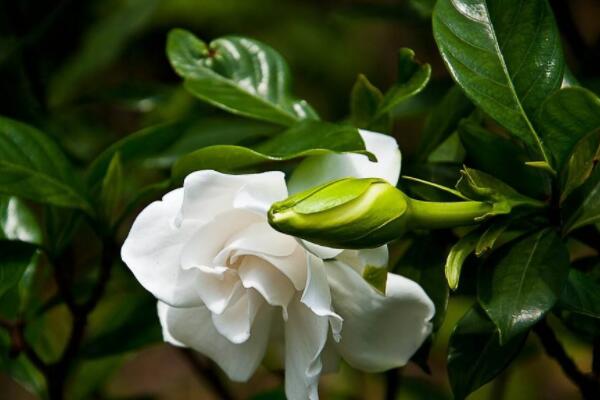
[[239, 75], [111, 191], [506, 55], [478, 185], [502, 158], [32, 166], [364, 101], [475, 355], [422, 263], [443, 120], [457, 256], [304, 139], [412, 79], [581, 295], [583, 206], [524, 282], [566, 117], [17, 221]]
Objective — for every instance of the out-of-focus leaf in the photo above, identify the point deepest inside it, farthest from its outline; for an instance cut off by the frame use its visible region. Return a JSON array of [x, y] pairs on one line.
[[239, 75], [488, 238], [423, 263], [102, 43], [444, 174], [412, 79], [580, 164], [450, 150], [566, 117], [111, 191], [503, 159], [304, 139], [20, 369], [160, 145], [33, 167], [506, 55], [15, 257], [478, 185], [277, 394], [364, 101], [524, 283], [49, 332], [457, 256], [17, 222], [581, 295], [90, 375], [475, 355], [583, 206], [443, 120]]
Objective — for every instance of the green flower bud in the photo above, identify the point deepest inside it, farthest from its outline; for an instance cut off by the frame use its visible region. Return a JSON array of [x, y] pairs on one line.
[[360, 213]]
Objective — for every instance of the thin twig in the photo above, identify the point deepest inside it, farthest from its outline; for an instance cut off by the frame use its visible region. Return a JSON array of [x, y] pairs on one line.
[[392, 383], [206, 373], [588, 386]]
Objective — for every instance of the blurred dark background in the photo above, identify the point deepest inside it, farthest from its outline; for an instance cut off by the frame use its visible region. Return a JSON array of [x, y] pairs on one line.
[[90, 72]]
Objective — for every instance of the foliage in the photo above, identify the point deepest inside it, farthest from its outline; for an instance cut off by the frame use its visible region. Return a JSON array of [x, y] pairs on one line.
[[504, 123]]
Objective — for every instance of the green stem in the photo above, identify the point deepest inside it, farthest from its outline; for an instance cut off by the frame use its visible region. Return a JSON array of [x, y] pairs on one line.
[[438, 215]]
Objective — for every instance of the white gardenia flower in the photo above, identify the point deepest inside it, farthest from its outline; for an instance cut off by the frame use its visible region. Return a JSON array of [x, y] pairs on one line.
[[227, 282]]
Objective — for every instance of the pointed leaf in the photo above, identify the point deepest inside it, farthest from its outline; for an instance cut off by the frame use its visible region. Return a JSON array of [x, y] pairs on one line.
[[304, 139], [32, 166], [239, 75], [583, 206], [457, 256], [581, 295], [524, 283], [364, 101], [506, 55], [17, 221], [475, 355]]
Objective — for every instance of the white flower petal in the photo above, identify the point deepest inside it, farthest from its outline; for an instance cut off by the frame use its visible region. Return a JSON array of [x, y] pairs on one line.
[[317, 295], [305, 337], [217, 291], [260, 238], [194, 328], [261, 275], [258, 195], [380, 332], [314, 171], [208, 193], [320, 251], [236, 320], [152, 251], [293, 266]]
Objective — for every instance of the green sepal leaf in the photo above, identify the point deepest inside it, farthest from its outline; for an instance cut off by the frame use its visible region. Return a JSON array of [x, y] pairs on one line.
[[32, 166], [524, 282], [17, 221], [306, 138], [239, 75], [458, 255], [475, 355], [583, 206], [480, 186], [507, 75], [502, 158], [566, 117], [412, 79]]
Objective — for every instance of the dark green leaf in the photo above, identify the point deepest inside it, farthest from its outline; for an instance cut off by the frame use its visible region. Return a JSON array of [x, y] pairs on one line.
[[457, 256], [580, 164], [17, 222], [524, 282], [112, 190], [450, 150], [583, 206], [364, 101], [33, 167], [506, 55], [239, 75], [304, 139], [566, 117], [478, 185], [581, 295], [503, 159], [475, 355], [412, 79], [423, 264], [15, 257], [443, 120]]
